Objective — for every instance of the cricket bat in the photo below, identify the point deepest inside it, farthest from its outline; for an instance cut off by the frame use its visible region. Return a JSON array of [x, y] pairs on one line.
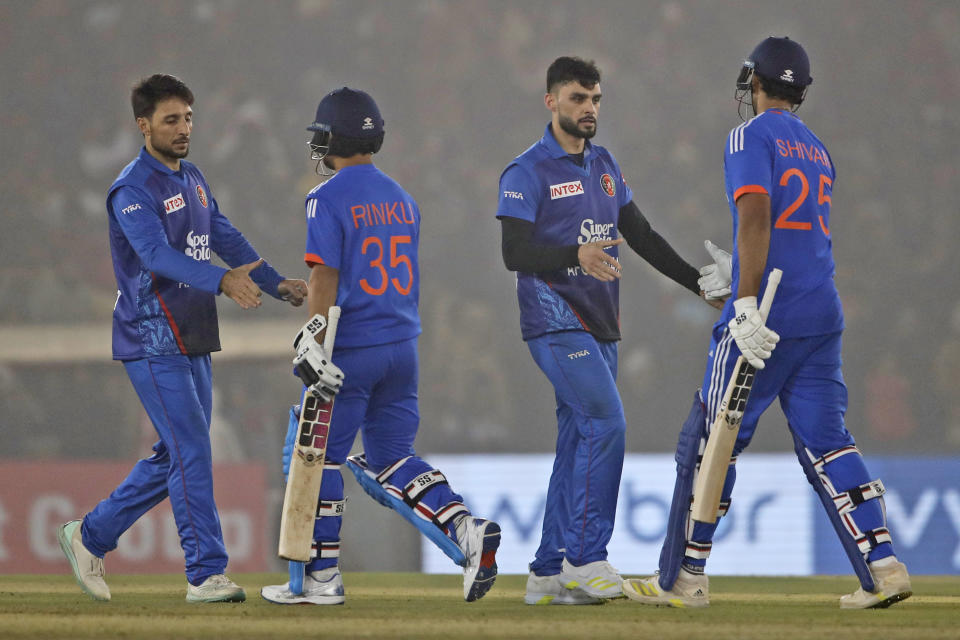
[[726, 426], [306, 466]]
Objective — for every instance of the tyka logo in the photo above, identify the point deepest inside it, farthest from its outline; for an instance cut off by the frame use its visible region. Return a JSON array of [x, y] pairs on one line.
[[513, 195], [198, 246], [174, 203], [133, 207], [566, 189]]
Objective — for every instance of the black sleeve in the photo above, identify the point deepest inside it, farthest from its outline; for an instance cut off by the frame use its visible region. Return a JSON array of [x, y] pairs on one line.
[[651, 246], [521, 254]]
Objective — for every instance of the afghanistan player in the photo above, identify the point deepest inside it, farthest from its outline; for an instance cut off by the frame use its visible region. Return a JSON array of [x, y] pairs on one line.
[[562, 204], [779, 182], [363, 231], [164, 226]]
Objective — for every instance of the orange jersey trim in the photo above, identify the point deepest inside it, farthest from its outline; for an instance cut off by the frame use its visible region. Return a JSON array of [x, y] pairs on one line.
[[750, 188], [312, 259]]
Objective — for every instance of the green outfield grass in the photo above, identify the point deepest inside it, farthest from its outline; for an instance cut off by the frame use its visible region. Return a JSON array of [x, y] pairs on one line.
[[403, 605]]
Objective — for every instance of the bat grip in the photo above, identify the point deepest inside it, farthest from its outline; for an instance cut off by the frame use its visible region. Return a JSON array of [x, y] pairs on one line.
[[333, 319], [773, 281]]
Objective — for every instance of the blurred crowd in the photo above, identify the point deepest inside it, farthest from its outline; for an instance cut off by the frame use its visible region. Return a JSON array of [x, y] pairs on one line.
[[460, 85]]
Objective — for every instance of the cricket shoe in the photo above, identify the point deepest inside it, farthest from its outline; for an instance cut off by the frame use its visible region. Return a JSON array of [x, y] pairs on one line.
[[549, 590], [689, 590], [87, 568], [598, 579], [481, 539], [216, 588], [319, 587], [892, 585]]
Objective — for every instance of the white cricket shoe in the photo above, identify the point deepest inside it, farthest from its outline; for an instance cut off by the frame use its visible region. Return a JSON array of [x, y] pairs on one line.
[[87, 568], [319, 587], [216, 588], [892, 584], [689, 590], [598, 579], [480, 541], [549, 590]]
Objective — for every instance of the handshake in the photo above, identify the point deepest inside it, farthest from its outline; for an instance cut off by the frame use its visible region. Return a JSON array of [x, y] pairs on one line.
[[312, 364]]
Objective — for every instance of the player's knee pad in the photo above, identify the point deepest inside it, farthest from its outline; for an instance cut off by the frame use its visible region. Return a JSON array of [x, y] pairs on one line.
[[679, 545], [418, 492], [853, 502]]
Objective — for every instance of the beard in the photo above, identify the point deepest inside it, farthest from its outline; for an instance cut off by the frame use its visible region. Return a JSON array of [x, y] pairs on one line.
[[571, 127], [168, 151]]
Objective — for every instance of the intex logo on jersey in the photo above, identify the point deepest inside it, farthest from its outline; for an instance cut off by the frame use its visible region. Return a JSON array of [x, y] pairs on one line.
[[591, 231], [566, 190], [134, 207], [198, 246], [514, 195], [578, 354], [174, 203]]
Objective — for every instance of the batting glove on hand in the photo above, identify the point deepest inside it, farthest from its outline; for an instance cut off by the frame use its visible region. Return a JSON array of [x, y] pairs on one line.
[[312, 365], [748, 328], [715, 278]]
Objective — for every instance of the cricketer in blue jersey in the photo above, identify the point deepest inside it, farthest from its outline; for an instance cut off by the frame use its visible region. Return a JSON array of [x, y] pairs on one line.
[[164, 227], [363, 233], [563, 204], [779, 182]]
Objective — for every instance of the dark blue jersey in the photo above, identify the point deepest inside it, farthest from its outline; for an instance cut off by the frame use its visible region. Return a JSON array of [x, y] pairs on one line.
[[362, 223], [164, 225], [568, 204], [776, 154]]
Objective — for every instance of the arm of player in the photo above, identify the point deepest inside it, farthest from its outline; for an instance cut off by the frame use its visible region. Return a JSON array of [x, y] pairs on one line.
[[748, 327], [715, 279], [231, 245], [651, 246], [520, 253]]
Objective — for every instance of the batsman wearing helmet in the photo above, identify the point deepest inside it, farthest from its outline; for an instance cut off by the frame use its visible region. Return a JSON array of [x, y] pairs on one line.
[[363, 230], [563, 202], [779, 182]]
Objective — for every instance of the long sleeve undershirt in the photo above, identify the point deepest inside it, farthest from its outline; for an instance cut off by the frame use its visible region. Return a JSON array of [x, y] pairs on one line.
[[520, 253]]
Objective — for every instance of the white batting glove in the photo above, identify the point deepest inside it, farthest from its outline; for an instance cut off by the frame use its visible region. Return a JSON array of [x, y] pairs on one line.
[[748, 328], [715, 278], [313, 366]]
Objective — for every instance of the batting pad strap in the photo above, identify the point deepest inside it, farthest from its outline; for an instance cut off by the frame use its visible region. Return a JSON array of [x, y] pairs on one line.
[[386, 473], [332, 466], [698, 550], [414, 490], [723, 508], [818, 463], [870, 539], [328, 508], [848, 500], [325, 549]]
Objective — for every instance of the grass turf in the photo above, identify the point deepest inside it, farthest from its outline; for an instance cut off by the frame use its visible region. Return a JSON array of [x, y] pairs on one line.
[[405, 605]]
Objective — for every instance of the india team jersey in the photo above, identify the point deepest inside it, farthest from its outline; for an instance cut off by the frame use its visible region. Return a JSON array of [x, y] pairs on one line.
[[776, 154], [362, 223], [568, 205], [163, 227]]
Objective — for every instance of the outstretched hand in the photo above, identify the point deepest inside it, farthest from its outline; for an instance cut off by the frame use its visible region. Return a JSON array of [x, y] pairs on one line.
[[237, 285], [292, 291], [596, 262]]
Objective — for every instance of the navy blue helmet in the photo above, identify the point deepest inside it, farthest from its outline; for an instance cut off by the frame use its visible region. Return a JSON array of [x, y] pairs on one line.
[[348, 121], [780, 59]]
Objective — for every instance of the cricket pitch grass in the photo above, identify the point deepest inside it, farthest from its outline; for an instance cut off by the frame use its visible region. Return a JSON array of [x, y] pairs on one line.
[[408, 605]]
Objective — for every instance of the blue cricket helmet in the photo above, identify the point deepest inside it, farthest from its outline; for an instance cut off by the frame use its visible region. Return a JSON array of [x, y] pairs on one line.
[[780, 59], [349, 113]]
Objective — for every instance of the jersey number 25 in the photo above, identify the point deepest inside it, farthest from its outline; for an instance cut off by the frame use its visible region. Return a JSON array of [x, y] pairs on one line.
[[784, 221]]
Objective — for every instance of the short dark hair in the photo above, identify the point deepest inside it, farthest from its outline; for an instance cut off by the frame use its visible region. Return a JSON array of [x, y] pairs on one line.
[[571, 69], [781, 90], [157, 88], [344, 147]]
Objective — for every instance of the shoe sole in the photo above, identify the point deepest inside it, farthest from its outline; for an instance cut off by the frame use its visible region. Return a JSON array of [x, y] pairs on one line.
[[302, 599], [543, 599], [67, 549], [237, 597], [487, 573], [886, 602], [659, 601]]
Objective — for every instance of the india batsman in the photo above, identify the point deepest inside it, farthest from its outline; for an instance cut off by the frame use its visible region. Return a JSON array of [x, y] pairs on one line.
[[164, 227], [779, 183], [363, 232]]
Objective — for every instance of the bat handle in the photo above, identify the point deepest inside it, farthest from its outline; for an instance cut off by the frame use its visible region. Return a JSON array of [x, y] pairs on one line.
[[773, 280], [333, 319]]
